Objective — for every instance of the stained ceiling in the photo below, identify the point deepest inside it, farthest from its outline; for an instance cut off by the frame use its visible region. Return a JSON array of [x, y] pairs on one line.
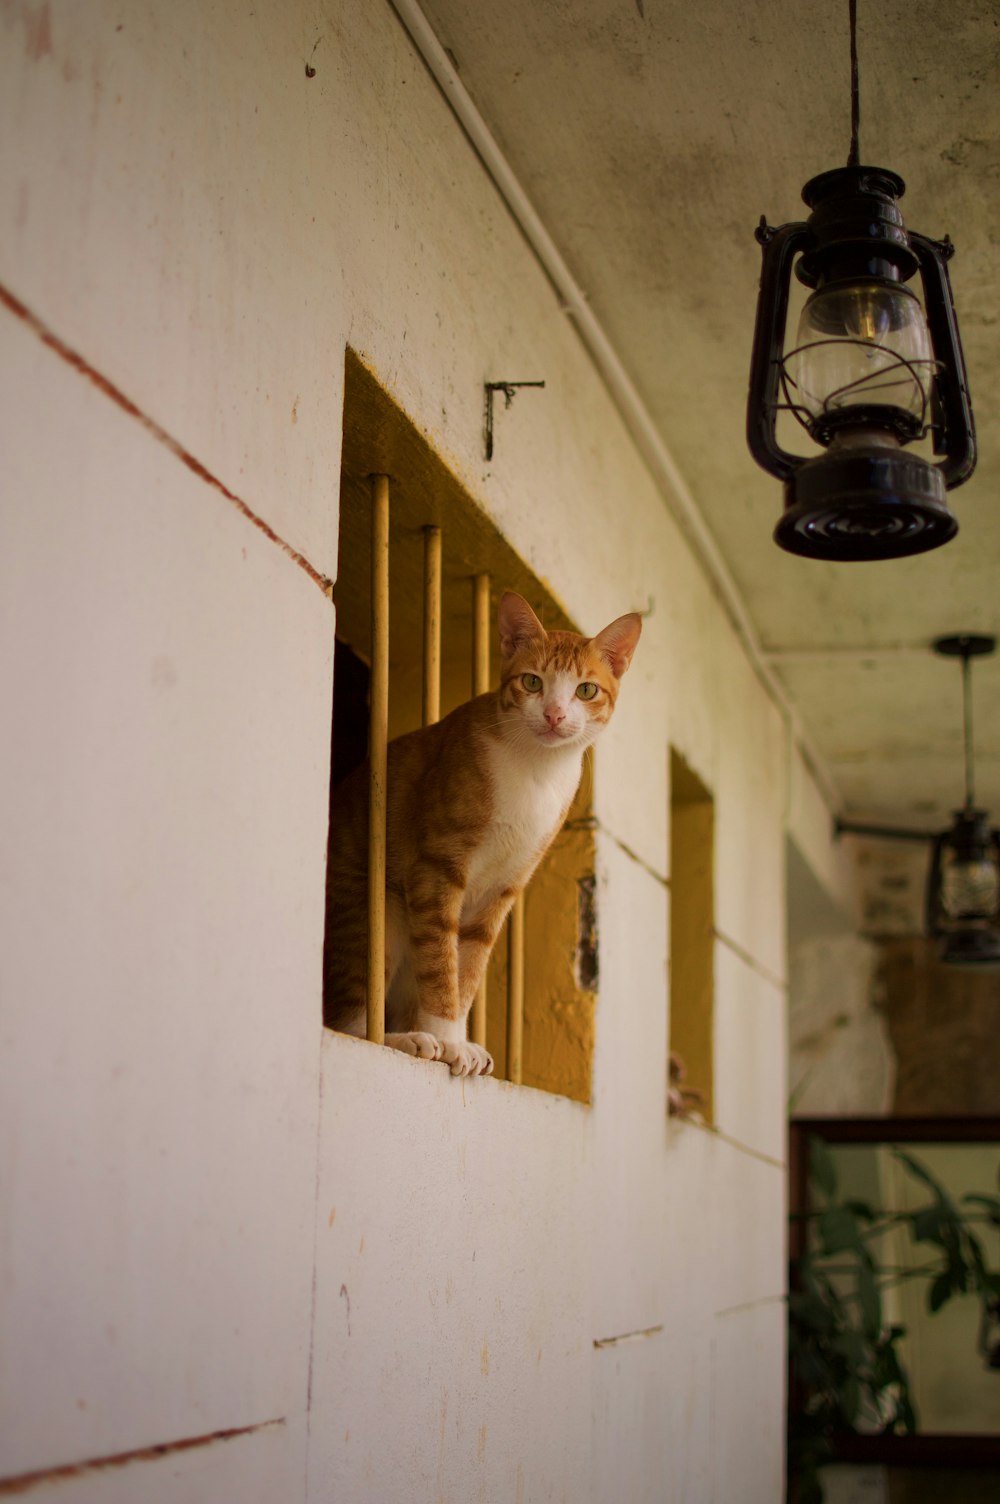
[[650, 136]]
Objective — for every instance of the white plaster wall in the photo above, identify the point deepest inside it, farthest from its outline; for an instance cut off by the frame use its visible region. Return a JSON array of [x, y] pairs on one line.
[[841, 1059], [830, 864], [218, 1220], [160, 903], [453, 1331]]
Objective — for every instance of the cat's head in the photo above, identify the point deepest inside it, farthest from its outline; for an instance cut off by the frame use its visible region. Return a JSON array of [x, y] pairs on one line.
[[559, 688]]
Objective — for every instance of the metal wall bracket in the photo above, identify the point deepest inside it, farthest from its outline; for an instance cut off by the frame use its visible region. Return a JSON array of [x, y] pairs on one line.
[[509, 389]]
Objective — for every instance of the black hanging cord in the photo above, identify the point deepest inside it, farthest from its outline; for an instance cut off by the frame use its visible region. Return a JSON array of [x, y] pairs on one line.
[[854, 157], [967, 717]]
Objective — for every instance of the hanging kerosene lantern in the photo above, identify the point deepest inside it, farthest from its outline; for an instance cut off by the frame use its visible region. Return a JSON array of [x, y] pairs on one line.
[[872, 370], [963, 888], [963, 879]]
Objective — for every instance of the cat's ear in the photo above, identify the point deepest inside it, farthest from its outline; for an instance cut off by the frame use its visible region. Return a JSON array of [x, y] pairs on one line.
[[617, 643], [519, 626]]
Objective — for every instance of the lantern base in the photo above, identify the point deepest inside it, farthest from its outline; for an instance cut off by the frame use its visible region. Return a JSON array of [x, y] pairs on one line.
[[865, 503], [974, 948]]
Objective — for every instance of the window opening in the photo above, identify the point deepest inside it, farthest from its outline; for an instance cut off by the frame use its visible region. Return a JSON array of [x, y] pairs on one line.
[[444, 565], [692, 942]]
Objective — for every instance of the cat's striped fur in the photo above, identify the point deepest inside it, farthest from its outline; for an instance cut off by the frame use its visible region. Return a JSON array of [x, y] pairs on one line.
[[474, 802]]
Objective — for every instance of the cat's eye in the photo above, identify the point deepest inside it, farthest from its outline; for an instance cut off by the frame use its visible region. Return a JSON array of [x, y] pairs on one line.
[[586, 691], [532, 683]]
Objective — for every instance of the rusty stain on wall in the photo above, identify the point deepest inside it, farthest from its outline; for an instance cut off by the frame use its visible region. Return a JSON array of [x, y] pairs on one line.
[[25, 1482], [37, 23], [638, 1336], [116, 395]]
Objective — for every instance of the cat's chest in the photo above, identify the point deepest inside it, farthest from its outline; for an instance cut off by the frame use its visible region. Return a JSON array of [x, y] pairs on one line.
[[529, 798]]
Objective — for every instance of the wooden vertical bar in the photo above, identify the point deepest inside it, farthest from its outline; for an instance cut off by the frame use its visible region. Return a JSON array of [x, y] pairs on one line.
[[480, 684], [480, 634], [515, 991], [431, 709], [377, 747]]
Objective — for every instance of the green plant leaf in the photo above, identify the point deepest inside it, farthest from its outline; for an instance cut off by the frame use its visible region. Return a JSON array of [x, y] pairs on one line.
[[808, 1309], [815, 1282], [976, 1255], [850, 1399], [852, 1346], [822, 1169], [926, 1225], [814, 1370], [886, 1369], [906, 1412], [917, 1169], [838, 1229], [922, 1173], [940, 1291], [869, 1299], [990, 1203]]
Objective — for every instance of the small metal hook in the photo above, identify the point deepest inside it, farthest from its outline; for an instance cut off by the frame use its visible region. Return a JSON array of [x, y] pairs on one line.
[[509, 389]]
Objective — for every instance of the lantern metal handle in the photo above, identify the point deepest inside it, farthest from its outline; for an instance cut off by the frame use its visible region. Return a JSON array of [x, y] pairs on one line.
[[956, 439], [778, 247]]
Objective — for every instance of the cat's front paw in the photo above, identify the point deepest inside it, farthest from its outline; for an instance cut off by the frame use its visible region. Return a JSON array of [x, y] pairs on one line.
[[423, 1046], [467, 1059]]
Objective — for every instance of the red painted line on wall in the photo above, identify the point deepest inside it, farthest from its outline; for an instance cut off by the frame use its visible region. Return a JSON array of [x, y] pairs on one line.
[[27, 1481], [84, 368]]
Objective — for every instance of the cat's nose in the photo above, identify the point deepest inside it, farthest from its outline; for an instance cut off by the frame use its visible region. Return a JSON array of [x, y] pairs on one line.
[[554, 714]]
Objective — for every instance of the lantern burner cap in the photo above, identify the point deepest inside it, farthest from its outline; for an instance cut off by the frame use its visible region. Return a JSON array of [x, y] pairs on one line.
[[845, 182], [856, 226]]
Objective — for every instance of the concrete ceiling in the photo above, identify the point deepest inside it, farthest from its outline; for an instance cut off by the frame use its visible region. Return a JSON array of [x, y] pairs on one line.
[[650, 136]]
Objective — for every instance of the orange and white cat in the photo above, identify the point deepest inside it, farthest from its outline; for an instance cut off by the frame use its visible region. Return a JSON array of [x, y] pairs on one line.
[[474, 802]]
